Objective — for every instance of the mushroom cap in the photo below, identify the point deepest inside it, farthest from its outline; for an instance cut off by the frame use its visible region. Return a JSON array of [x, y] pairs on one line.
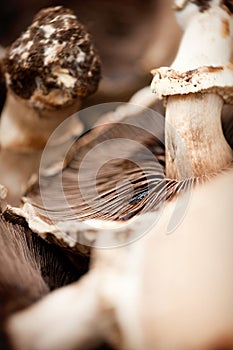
[[54, 61], [167, 81], [203, 61]]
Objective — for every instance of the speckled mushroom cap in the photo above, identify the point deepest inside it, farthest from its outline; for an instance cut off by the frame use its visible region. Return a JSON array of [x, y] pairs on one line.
[[54, 61]]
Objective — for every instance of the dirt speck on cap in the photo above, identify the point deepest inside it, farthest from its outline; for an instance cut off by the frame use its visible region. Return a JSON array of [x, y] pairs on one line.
[[225, 30]]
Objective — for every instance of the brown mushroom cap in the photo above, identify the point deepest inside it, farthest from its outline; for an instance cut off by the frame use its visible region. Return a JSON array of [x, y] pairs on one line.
[[54, 61]]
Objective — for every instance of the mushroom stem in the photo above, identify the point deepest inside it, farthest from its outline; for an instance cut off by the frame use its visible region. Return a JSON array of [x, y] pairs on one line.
[[16, 170], [195, 144], [25, 128], [74, 311], [24, 132]]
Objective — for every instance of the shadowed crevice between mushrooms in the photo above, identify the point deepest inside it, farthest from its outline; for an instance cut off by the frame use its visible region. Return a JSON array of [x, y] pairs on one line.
[[2, 87], [228, 4], [227, 124]]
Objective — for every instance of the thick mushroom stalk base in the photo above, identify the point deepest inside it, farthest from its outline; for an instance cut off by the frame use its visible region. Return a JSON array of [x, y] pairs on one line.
[[195, 144]]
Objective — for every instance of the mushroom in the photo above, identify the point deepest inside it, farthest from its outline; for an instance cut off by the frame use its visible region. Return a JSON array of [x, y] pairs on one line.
[[197, 85], [29, 267], [56, 201], [49, 70], [173, 287], [161, 291]]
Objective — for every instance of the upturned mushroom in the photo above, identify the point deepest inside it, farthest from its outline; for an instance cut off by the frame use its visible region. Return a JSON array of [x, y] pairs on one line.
[[162, 291], [49, 70], [29, 267]]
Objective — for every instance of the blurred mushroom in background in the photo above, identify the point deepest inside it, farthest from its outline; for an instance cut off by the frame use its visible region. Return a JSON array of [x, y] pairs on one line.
[[49, 70]]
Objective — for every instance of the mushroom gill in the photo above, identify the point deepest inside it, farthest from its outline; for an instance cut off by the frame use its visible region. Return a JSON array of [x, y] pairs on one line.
[[29, 267], [113, 172]]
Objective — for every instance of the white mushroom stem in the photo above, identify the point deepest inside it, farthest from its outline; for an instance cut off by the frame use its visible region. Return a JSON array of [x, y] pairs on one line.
[[16, 169], [69, 318], [195, 144]]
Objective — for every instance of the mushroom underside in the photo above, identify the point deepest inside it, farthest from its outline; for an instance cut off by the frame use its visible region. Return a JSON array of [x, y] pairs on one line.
[[113, 172], [30, 267]]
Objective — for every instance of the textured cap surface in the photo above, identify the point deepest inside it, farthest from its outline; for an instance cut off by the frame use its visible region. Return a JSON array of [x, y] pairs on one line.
[[54, 61], [167, 81]]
